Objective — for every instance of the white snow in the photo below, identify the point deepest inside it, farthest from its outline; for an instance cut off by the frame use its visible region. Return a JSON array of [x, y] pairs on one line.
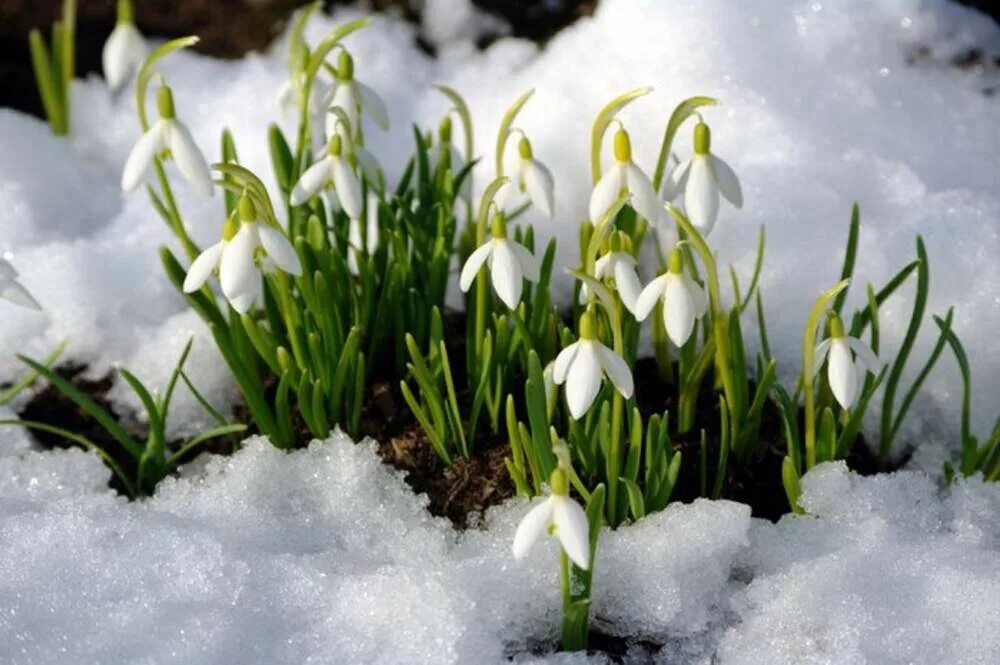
[[325, 556]]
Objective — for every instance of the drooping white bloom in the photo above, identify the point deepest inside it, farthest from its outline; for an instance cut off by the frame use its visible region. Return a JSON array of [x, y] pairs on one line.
[[242, 253], [334, 168], [354, 97], [168, 134], [684, 302], [621, 266], [125, 49], [535, 179], [625, 175], [561, 516], [701, 179], [582, 366], [844, 370], [289, 90], [12, 290], [363, 240], [510, 263]]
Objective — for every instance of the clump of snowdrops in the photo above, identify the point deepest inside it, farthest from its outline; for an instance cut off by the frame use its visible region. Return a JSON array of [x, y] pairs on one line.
[[339, 279]]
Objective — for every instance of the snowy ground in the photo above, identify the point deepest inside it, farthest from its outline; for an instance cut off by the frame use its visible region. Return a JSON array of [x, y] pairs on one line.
[[323, 556]]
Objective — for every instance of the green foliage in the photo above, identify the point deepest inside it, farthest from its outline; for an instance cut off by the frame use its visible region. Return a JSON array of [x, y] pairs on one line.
[[54, 67]]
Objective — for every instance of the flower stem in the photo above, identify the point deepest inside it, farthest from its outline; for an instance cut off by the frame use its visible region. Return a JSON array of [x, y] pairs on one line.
[[177, 225]]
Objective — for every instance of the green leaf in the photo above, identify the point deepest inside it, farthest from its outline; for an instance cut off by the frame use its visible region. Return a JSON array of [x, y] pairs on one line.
[[146, 72], [790, 480], [31, 376], [683, 111], [849, 256], [601, 122]]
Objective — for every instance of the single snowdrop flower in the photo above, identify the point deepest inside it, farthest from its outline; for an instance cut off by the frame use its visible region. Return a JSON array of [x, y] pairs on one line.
[[363, 240], [582, 366], [620, 265], [842, 372], [684, 302], [246, 248], [125, 49], [701, 179], [560, 516], [535, 179], [625, 176], [12, 290], [510, 263], [333, 169], [289, 91], [445, 150], [167, 136], [354, 96]]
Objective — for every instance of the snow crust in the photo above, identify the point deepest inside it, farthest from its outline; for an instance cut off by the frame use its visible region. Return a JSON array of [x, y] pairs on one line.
[[324, 555]]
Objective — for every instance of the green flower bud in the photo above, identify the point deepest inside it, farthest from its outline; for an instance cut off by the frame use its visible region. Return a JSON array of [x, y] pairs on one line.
[[246, 209], [126, 15], [444, 130], [498, 226], [345, 66], [335, 147], [285, 359], [702, 139], [623, 147], [230, 228], [616, 244], [675, 261], [836, 326], [588, 326], [559, 482], [524, 148], [165, 103]]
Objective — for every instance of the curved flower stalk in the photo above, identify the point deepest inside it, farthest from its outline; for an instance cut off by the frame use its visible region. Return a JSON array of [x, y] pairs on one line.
[[246, 248], [535, 179], [701, 179], [560, 516], [354, 96], [624, 175], [684, 302], [12, 290], [333, 169], [843, 369], [167, 135], [124, 50], [582, 366], [510, 263], [620, 265]]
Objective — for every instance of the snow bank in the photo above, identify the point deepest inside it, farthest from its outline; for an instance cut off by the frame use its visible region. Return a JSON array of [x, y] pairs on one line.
[[325, 556]]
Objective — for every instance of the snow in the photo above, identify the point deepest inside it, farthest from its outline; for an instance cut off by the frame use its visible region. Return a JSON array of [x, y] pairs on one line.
[[323, 555]]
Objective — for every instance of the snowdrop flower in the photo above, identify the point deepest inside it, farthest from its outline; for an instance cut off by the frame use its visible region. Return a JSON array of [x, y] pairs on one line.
[[582, 366], [509, 262], [620, 265], [12, 290], [335, 169], [560, 516], [624, 175], [354, 96], [701, 179], [534, 179], [842, 372], [168, 134], [684, 301], [125, 49], [245, 248], [363, 241]]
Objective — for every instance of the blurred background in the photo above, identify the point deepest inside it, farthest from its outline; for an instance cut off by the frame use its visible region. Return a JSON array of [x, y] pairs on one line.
[[230, 28]]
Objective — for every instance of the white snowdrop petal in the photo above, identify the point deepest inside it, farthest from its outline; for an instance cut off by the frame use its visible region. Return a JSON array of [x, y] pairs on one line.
[[141, 157], [236, 265], [506, 274], [202, 267], [819, 355], [530, 264], [728, 183], [279, 249], [606, 192], [16, 293], [600, 266], [627, 282], [373, 105], [368, 163], [539, 184], [583, 381], [310, 182], [866, 357], [122, 54], [701, 195], [371, 222], [678, 310], [532, 527], [649, 296], [7, 270], [840, 373], [673, 185], [473, 264], [644, 199], [189, 159], [616, 368], [563, 362], [348, 188], [698, 297], [343, 97], [572, 529]]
